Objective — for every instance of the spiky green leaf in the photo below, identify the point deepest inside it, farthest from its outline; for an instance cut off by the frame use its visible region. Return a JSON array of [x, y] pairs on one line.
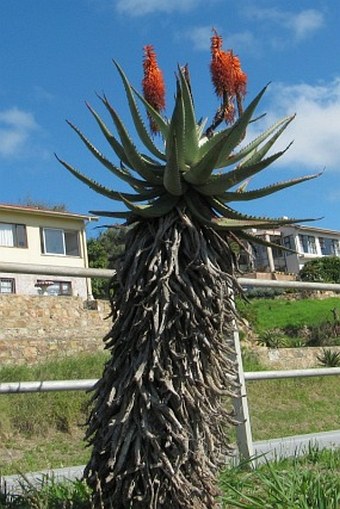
[[105, 191], [138, 121], [264, 191], [200, 172], [251, 148], [136, 160], [217, 184], [125, 214], [160, 122], [114, 143], [124, 175], [190, 125], [157, 208], [172, 180]]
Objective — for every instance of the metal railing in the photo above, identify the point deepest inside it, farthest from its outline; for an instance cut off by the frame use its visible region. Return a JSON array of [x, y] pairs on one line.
[[244, 439]]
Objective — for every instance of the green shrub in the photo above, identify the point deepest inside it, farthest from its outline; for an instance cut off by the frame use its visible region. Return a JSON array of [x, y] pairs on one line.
[[329, 358], [326, 270], [273, 338]]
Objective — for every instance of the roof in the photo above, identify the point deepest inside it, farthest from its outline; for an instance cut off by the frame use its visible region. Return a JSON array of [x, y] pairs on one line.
[[297, 227], [23, 209], [315, 229]]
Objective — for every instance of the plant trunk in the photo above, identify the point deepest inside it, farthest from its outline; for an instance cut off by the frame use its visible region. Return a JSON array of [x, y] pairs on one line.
[[162, 406]]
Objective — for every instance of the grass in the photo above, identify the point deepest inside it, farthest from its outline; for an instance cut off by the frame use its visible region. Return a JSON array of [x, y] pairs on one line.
[[49, 494], [267, 314], [42, 431], [309, 482], [294, 406]]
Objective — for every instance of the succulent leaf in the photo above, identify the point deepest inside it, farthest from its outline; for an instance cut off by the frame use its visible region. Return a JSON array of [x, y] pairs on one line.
[[162, 125], [105, 191], [122, 174], [157, 208], [177, 131], [136, 160], [121, 214], [200, 172], [114, 143], [251, 148], [138, 121], [265, 191], [217, 183], [172, 180], [190, 129], [222, 223]]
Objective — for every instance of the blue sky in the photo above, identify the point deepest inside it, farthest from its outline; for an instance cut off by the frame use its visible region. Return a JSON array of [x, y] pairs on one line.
[[57, 54]]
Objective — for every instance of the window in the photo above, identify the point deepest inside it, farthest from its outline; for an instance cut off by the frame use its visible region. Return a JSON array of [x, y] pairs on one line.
[[13, 235], [288, 241], [277, 251], [7, 285], [307, 243], [55, 288], [329, 246], [60, 242], [60, 288]]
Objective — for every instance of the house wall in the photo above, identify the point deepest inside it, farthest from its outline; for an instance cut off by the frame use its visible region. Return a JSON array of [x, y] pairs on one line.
[[33, 254], [24, 283], [295, 261]]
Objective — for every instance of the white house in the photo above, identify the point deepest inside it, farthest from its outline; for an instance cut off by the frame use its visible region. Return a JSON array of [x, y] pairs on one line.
[[43, 237], [309, 242]]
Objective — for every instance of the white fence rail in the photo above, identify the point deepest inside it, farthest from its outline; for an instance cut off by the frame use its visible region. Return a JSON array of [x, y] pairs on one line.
[[87, 384], [245, 443]]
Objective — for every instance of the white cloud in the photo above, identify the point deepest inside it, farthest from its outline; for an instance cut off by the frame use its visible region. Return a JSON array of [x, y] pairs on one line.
[[305, 23], [16, 127], [316, 128], [301, 24], [239, 41], [142, 7], [199, 36]]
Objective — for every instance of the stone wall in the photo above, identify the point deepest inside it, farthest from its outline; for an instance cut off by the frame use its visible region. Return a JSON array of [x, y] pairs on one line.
[[34, 328], [291, 358]]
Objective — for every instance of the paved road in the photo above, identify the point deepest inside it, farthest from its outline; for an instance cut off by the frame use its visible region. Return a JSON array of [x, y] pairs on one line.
[[268, 449]]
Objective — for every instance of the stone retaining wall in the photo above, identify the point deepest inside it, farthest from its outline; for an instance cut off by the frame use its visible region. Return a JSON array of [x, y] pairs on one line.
[[291, 358], [34, 328]]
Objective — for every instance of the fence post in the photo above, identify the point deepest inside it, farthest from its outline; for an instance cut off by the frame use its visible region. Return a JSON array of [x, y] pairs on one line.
[[243, 430]]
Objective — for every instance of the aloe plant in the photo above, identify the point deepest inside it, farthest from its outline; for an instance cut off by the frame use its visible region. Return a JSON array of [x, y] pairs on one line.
[[159, 416]]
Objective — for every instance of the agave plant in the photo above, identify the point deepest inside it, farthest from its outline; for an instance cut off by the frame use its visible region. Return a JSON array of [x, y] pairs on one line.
[[162, 406]]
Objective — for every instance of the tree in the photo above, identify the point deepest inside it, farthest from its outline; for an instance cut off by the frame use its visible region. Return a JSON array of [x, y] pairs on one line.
[[323, 270], [103, 253], [157, 426]]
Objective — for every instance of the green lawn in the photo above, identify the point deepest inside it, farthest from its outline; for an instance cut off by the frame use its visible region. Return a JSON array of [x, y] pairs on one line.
[[265, 314], [45, 430]]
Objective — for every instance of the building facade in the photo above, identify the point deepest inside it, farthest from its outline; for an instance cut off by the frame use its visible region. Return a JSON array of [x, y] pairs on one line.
[[30, 235], [307, 242]]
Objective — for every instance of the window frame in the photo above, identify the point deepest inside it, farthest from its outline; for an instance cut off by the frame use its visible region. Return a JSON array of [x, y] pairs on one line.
[[64, 234], [10, 280], [19, 231]]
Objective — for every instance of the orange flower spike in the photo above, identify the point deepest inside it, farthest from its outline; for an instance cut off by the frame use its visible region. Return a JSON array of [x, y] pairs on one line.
[[227, 76], [220, 67], [153, 82], [239, 77]]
